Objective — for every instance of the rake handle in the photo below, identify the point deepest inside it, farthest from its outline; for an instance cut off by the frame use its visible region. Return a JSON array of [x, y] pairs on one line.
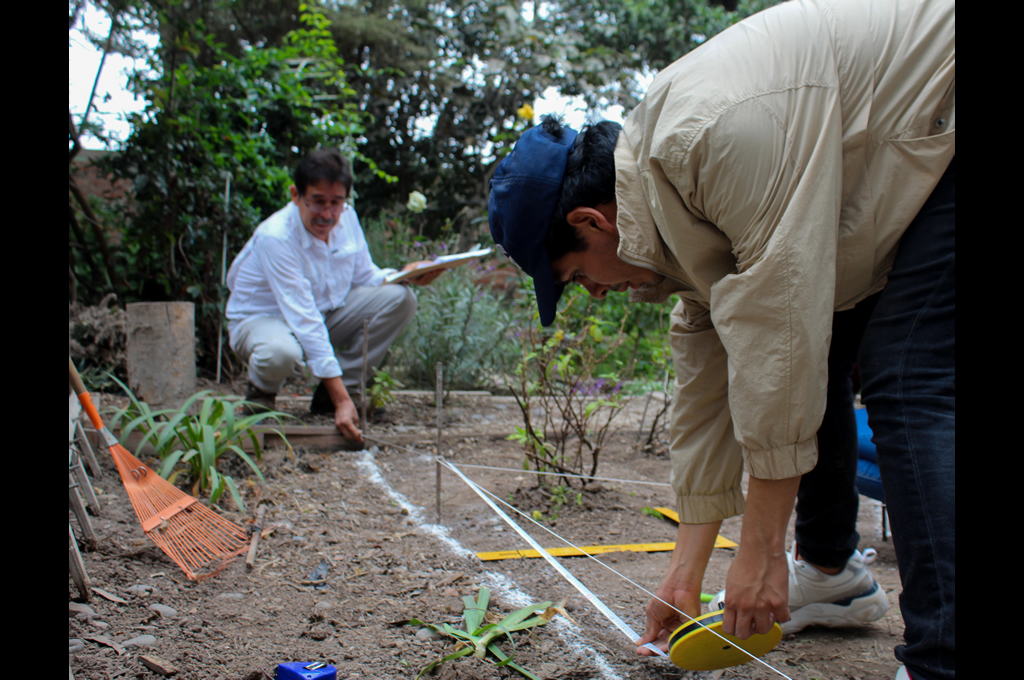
[[83, 395]]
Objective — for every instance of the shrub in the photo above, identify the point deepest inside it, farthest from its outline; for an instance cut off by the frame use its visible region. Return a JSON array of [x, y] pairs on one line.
[[557, 378], [463, 326], [97, 341]]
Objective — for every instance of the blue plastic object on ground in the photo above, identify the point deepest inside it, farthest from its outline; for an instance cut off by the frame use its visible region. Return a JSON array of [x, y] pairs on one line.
[[306, 670], [869, 479]]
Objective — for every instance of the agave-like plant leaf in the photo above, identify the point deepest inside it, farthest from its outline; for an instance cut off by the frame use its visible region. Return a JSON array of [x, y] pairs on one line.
[[248, 461], [465, 651], [191, 400], [205, 409], [216, 491], [169, 462], [474, 609], [208, 449], [506, 660], [217, 412], [169, 432], [234, 492], [213, 481]]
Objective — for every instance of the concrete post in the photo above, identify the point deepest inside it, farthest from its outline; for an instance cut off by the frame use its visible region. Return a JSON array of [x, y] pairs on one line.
[[162, 352]]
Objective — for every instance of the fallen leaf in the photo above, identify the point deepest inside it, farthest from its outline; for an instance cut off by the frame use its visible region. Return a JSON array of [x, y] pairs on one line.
[[104, 640], [158, 665], [109, 596], [550, 612], [450, 578]]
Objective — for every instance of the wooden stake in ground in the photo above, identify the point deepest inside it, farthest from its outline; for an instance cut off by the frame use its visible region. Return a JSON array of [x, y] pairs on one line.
[[223, 270], [250, 559], [440, 414], [362, 382], [76, 567]]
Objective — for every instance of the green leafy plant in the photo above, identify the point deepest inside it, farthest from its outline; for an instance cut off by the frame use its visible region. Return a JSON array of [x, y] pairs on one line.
[[529, 439], [198, 435], [559, 497], [652, 512], [641, 347], [557, 381], [484, 629], [382, 389]]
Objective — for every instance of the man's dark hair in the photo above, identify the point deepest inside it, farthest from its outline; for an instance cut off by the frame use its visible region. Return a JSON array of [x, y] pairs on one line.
[[318, 166], [589, 181]]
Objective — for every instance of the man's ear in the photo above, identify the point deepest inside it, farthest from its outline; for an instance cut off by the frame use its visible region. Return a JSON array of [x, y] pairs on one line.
[[294, 193], [583, 218]]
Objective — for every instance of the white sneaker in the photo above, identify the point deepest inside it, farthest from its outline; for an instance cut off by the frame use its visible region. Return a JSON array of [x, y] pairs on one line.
[[849, 598]]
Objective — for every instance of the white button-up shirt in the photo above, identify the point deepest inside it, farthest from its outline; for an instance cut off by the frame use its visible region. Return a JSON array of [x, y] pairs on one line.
[[285, 271]]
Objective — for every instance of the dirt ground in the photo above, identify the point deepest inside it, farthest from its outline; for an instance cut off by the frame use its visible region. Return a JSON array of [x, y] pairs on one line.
[[351, 551]]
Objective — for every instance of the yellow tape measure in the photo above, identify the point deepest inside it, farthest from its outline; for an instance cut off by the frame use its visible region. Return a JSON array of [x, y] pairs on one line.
[[694, 647]]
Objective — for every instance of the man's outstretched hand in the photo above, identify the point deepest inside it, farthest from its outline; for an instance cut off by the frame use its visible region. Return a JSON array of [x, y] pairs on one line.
[[346, 419], [757, 585], [662, 620], [681, 586]]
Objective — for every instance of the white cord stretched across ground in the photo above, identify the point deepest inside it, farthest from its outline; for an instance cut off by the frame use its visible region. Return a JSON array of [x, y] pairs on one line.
[[561, 474], [617, 621]]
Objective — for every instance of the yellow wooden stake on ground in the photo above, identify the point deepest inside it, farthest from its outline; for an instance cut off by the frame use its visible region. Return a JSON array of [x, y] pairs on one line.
[[720, 542]]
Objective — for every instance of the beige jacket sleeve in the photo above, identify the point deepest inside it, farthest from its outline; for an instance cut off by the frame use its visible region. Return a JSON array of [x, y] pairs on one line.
[[707, 461], [756, 357]]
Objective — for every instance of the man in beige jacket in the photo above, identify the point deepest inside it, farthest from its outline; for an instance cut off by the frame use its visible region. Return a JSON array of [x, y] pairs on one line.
[[792, 181]]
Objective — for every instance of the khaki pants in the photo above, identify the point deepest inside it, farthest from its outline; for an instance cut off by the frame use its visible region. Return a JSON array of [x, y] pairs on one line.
[[274, 354]]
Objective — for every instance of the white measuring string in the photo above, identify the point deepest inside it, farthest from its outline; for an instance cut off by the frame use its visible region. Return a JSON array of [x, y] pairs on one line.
[[565, 474], [566, 574], [612, 616], [588, 478]]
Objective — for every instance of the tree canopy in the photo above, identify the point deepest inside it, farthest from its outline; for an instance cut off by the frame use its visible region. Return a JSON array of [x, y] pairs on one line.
[[425, 96]]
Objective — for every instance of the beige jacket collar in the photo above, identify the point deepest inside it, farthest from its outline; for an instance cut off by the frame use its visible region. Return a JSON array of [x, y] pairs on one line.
[[640, 243]]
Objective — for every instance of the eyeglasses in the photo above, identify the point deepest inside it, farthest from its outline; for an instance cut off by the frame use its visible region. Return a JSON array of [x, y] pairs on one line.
[[334, 206]]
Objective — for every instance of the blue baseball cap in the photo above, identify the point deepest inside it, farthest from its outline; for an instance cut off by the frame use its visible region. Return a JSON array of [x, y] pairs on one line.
[[524, 194]]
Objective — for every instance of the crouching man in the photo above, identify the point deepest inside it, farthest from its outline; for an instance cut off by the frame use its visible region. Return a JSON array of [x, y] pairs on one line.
[[301, 288]]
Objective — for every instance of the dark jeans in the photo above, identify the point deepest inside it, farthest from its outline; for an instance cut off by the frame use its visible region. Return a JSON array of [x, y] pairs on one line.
[[905, 340]]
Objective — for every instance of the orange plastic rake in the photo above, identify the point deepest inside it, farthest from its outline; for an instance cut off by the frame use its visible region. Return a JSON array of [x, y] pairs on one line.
[[198, 540]]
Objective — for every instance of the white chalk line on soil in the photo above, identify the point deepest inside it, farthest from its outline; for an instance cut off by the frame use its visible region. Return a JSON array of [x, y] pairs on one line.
[[505, 586]]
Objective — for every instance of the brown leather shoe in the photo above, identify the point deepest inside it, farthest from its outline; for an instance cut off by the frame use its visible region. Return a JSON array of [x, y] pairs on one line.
[[321, 403], [257, 401]]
